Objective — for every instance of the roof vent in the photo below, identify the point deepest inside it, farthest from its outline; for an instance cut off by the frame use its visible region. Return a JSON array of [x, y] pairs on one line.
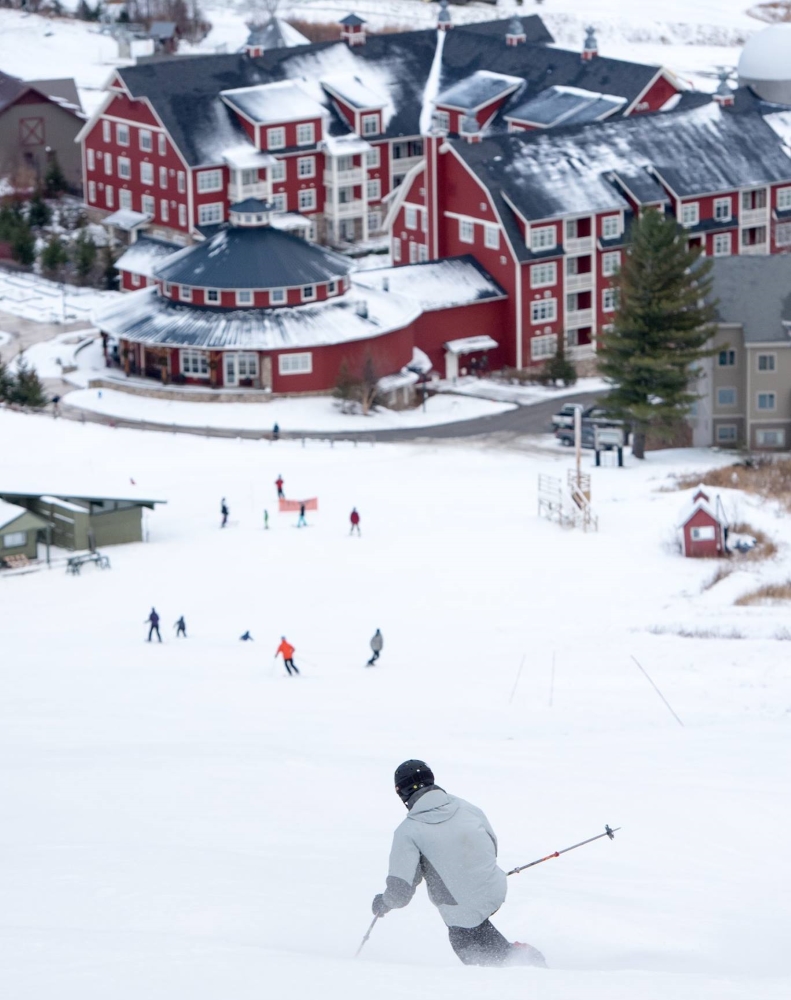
[[385, 284], [444, 22], [515, 34], [353, 30], [591, 49], [361, 308], [723, 95]]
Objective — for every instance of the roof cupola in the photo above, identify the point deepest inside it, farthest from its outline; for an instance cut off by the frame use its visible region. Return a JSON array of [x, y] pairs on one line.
[[591, 47], [353, 30]]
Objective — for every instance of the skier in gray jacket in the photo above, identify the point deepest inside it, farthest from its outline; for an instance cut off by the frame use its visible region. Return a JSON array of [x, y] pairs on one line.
[[450, 843]]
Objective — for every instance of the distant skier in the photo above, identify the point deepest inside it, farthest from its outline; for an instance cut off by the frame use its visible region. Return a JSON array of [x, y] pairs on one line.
[[354, 517], [153, 621], [56, 406], [279, 483], [451, 844], [275, 432], [301, 522], [246, 637], [225, 512], [376, 647], [286, 650], [181, 627], [266, 520]]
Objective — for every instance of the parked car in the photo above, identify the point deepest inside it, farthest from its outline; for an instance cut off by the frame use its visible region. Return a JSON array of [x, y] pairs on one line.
[[566, 435], [565, 415]]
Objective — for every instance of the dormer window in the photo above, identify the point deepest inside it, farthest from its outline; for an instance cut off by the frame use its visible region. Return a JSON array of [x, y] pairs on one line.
[[212, 296], [611, 227], [442, 121], [275, 138], [308, 293], [185, 294], [244, 297], [277, 296], [306, 134], [332, 288], [370, 124]]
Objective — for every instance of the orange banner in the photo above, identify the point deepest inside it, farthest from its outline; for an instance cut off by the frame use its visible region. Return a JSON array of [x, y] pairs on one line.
[[292, 506]]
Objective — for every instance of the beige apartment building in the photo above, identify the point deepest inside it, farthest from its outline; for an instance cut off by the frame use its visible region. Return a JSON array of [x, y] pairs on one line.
[[745, 387]]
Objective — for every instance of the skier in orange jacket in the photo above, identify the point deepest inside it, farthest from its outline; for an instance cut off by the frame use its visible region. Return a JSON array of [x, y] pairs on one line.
[[287, 652]]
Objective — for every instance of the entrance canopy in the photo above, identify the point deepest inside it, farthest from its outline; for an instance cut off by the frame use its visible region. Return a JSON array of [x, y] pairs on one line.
[[126, 219], [466, 345]]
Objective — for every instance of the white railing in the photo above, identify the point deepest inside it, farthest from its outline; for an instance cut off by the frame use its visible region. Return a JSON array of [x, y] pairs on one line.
[[579, 244], [404, 163], [754, 250], [354, 176], [579, 282], [579, 317], [753, 217], [240, 192], [581, 352], [344, 209]]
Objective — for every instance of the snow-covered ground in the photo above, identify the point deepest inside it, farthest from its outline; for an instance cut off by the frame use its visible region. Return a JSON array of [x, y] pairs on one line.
[[523, 395], [44, 301], [183, 821], [81, 348]]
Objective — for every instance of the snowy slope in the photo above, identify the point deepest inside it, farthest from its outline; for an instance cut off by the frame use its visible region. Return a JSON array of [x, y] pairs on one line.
[[183, 821]]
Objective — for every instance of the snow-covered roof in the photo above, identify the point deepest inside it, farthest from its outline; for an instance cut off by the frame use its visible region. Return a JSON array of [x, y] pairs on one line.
[[245, 156], [126, 219], [346, 145], [439, 284], [351, 90], [692, 507], [275, 34], [566, 105], [352, 21], [10, 512], [477, 90], [465, 345], [274, 102], [288, 221], [145, 254]]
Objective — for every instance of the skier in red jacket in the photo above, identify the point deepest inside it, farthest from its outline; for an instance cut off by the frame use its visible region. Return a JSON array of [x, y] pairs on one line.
[[354, 517], [279, 484]]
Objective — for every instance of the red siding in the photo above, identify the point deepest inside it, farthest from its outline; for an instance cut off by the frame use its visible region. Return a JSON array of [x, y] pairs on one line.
[[656, 96], [126, 109], [703, 548]]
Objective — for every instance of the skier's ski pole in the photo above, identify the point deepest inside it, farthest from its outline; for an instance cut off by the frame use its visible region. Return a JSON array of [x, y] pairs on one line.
[[367, 935], [608, 832]]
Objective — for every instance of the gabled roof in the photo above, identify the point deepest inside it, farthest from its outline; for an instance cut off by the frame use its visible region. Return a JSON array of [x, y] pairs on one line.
[[351, 90], [10, 512], [755, 293], [352, 21], [275, 34], [143, 256], [640, 185], [478, 90], [565, 105], [266, 103], [62, 92]]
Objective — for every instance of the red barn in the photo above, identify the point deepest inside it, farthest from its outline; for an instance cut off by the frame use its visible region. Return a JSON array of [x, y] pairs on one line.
[[703, 527]]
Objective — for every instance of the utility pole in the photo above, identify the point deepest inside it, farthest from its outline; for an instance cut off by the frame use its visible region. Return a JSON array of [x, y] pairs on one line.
[[578, 443]]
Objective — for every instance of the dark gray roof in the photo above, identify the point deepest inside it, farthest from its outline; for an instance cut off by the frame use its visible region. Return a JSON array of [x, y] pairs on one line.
[[478, 89], [62, 92], [640, 185], [755, 292], [252, 205], [550, 174], [237, 257], [570, 106], [352, 21]]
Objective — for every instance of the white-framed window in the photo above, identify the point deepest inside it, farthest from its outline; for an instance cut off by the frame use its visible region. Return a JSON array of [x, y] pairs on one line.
[[702, 533], [374, 190], [396, 251], [783, 234], [726, 433], [542, 275], [148, 205], [306, 134], [722, 244], [135, 280], [105, 130], [194, 363], [491, 236], [162, 144], [726, 359], [90, 159], [609, 300], [182, 215], [108, 164], [306, 166], [122, 134], [373, 157], [277, 296], [374, 222], [185, 293], [168, 289], [610, 263], [545, 346], [543, 310], [211, 213], [14, 539], [722, 209], [124, 168], [280, 202], [784, 198], [209, 180], [690, 214], [146, 173], [164, 213], [163, 177], [308, 293], [278, 169], [307, 200], [109, 195], [295, 364], [410, 217], [466, 231], [332, 288], [543, 238], [91, 190], [244, 297], [767, 362], [181, 179], [770, 438], [370, 124], [767, 401], [413, 253], [726, 396], [442, 121], [146, 140], [422, 252], [247, 366], [212, 296], [124, 198], [610, 227], [276, 138]]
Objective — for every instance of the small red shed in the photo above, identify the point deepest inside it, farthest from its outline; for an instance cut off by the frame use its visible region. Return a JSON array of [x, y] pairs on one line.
[[703, 527]]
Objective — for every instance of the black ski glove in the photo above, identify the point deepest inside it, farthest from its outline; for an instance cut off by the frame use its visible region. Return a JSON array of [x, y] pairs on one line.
[[379, 908]]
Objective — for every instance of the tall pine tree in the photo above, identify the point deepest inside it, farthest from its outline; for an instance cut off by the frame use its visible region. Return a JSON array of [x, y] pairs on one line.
[[662, 324]]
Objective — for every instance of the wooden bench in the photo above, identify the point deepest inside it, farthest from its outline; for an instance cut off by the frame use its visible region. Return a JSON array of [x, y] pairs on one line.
[[75, 563]]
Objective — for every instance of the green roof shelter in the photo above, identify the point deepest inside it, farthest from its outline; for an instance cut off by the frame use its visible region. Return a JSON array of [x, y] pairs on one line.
[[20, 532]]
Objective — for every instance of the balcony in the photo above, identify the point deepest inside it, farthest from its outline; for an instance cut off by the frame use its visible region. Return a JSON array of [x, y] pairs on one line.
[[240, 192], [344, 209], [353, 176], [579, 317], [753, 217], [579, 282], [578, 244], [754, 250], [402, 164], [582, 352]]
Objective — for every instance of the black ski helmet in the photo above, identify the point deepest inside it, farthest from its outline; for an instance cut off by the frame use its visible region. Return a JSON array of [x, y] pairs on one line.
[[410, 776]]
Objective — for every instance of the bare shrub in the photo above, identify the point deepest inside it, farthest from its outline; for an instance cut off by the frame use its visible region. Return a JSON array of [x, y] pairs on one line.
[[775, 12], [768, 592], [696, 633], [766, 477], [322, 31], [723, 571], [765, 548]]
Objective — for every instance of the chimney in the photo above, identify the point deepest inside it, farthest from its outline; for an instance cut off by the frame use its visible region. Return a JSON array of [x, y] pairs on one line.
[[723, 95], [444, 22], [591, 49], [515, 34], [362, 309], [353, 30]]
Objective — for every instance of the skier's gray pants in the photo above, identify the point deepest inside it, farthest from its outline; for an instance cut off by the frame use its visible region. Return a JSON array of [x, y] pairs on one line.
[[481, 945]]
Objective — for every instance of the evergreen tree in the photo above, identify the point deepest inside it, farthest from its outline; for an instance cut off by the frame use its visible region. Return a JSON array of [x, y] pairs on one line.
[[369, 385], [53, 257], [54, 178], [661, 327], [39, 213], [559, 368], [23, 244], [109, 273], [346, 386], [27, 388], [84, 255], [6, 383]]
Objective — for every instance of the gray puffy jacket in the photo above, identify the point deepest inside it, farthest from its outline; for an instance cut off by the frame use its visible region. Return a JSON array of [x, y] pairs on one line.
[[377, 642], [450, 843]]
